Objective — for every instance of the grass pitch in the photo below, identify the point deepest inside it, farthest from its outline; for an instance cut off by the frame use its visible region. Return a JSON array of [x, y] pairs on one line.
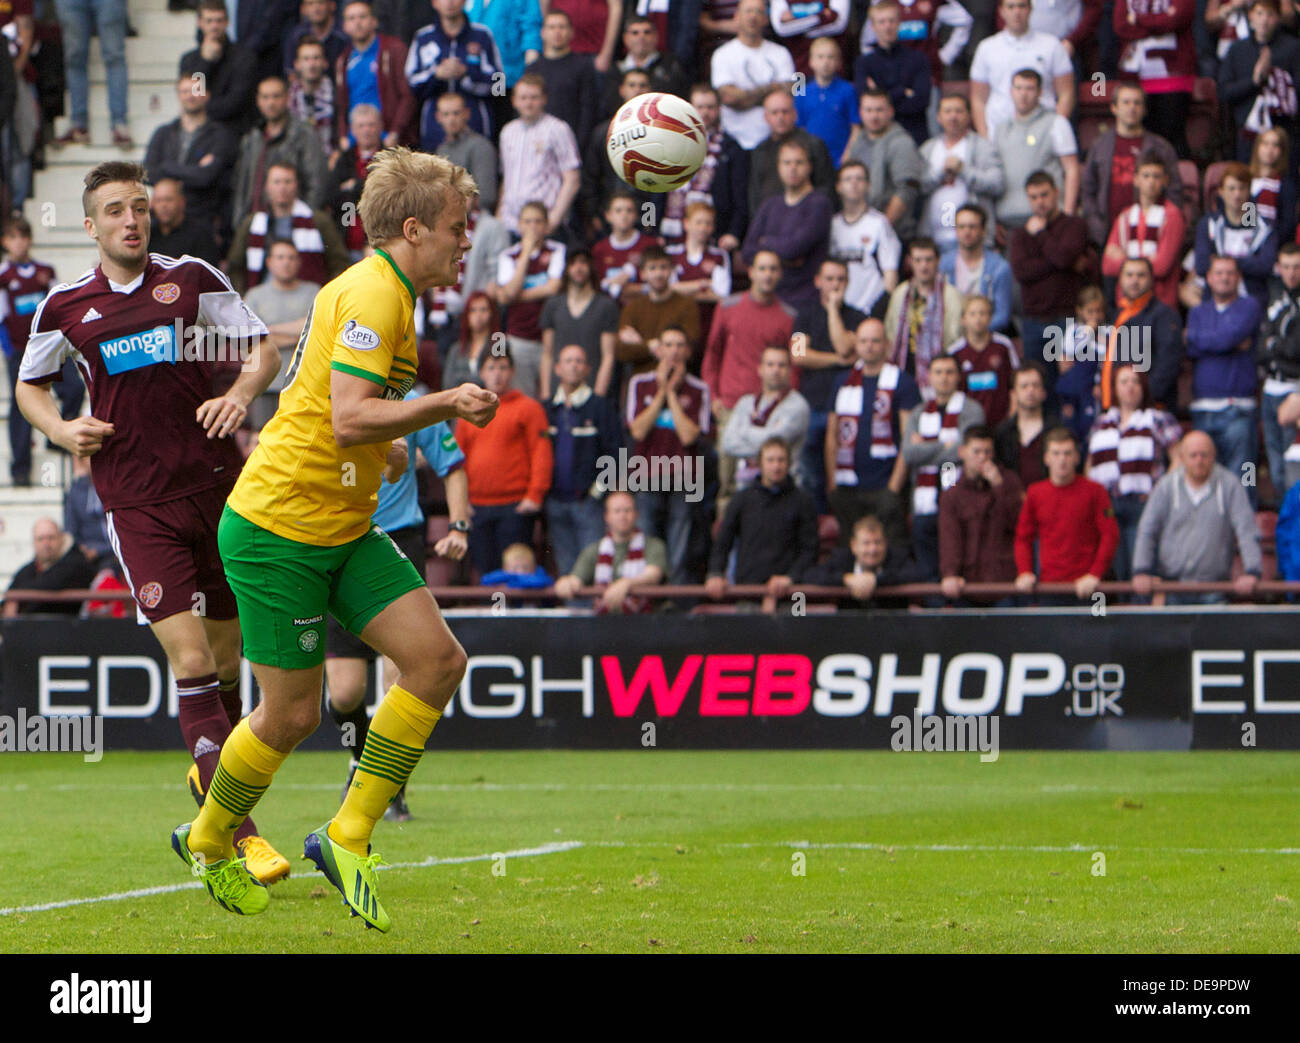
[[659, 851]]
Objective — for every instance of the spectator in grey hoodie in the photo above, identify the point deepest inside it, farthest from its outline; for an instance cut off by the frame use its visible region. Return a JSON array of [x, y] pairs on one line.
[[894, 166], [1198, 516]]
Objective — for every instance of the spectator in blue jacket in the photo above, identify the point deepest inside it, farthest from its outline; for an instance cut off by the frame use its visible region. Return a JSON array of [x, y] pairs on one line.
[[973, 269], [584, 428], [1235, 229], [901, 71], [452, 54], [516, 25], [1221, 333]]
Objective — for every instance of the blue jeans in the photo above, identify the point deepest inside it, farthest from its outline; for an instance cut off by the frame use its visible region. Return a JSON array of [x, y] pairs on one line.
[[1276, 439], [814, 461], [1033, 335], [669, 517], [493, 530], [573, 525], [79, 18], [1128, 512], [70, 391], [1235, 434]]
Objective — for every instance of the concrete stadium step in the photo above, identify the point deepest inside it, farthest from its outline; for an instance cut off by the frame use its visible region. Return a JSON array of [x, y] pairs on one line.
[[20, 509]]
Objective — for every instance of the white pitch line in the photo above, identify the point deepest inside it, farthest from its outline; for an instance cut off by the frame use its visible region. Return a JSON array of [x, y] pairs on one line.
[[1071, 849], [146, 892]]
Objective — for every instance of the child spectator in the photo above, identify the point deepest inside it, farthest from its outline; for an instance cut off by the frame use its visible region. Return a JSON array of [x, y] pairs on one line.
[[828, 106], [1237, 230], [1152, 228], [1272, 189], [23, 285], [986, 360], [701, 271], [617, 257], [519, 569], [1078, 366]]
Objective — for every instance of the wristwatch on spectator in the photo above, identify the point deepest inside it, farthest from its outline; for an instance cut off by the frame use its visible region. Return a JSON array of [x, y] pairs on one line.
[[460, 526]]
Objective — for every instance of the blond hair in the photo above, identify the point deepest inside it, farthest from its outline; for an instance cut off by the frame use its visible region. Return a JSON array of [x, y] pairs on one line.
[[401, 184]]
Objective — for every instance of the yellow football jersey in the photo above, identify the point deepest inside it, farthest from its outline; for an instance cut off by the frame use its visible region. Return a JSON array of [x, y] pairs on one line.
[[298, 482]]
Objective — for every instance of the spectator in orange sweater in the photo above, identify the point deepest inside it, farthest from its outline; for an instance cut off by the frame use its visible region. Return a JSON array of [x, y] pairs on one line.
[[1152, 228], [508, 464]]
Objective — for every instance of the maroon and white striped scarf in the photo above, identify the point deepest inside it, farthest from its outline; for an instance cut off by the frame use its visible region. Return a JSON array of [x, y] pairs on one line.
[[933, 427], [306, 237], [929, 337], [1264, 191], [698, 189], [1124, 456], [848, 413], [633, 566], [747, 469]]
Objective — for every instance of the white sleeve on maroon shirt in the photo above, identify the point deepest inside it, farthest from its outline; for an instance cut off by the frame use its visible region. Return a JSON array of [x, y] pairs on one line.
[[722, 276], [556, 268], [47, 349], [220, 305]]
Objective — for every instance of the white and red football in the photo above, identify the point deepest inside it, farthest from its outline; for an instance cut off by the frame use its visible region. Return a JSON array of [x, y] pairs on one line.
[[656, 142]]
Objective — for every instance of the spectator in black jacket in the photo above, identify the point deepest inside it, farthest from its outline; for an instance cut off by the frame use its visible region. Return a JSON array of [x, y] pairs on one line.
[[773, 526], [172, 232], [205, 169], [723, 180], [868, 562], [59, 564], [901, 71], [641, 42], [782, 122], [1156, 329], [573, 86], [598, 177], [1259, 76], [584, 427], [1279, 355], [1018, 441], [318, 23], [228, 70]]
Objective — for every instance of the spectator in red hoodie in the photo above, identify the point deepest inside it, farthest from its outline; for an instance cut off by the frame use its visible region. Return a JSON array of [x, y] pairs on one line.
[[508, 464], [1071, 520]]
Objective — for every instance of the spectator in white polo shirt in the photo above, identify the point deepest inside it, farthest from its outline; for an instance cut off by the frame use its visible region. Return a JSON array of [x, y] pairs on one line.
[[1003, 54], [743, 70], [539, 158]]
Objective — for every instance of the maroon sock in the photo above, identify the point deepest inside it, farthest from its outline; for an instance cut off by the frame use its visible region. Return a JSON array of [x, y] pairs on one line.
[[205, 725], [232, 700]]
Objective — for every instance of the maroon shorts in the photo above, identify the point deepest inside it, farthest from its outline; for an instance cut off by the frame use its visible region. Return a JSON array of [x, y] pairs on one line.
[[169, 556]]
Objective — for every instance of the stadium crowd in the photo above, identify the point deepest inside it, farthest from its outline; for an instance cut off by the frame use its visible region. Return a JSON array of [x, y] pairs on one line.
[[978, 292]]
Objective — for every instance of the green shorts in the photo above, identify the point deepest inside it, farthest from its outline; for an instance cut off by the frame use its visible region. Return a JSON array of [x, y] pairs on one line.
[[284, 588]]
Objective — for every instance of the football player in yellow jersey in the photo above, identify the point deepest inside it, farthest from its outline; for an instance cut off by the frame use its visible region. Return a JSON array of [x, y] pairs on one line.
[[297, 541]]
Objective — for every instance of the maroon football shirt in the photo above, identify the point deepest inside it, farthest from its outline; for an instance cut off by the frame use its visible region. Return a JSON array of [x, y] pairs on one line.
[[146, 374], [22, 288]]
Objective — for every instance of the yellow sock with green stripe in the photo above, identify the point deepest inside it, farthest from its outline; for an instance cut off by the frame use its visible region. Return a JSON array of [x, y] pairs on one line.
[[246, 768], [398, 731]]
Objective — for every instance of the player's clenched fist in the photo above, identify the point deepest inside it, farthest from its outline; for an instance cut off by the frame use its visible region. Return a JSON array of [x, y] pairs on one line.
[[476, 404], [84, 436]]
